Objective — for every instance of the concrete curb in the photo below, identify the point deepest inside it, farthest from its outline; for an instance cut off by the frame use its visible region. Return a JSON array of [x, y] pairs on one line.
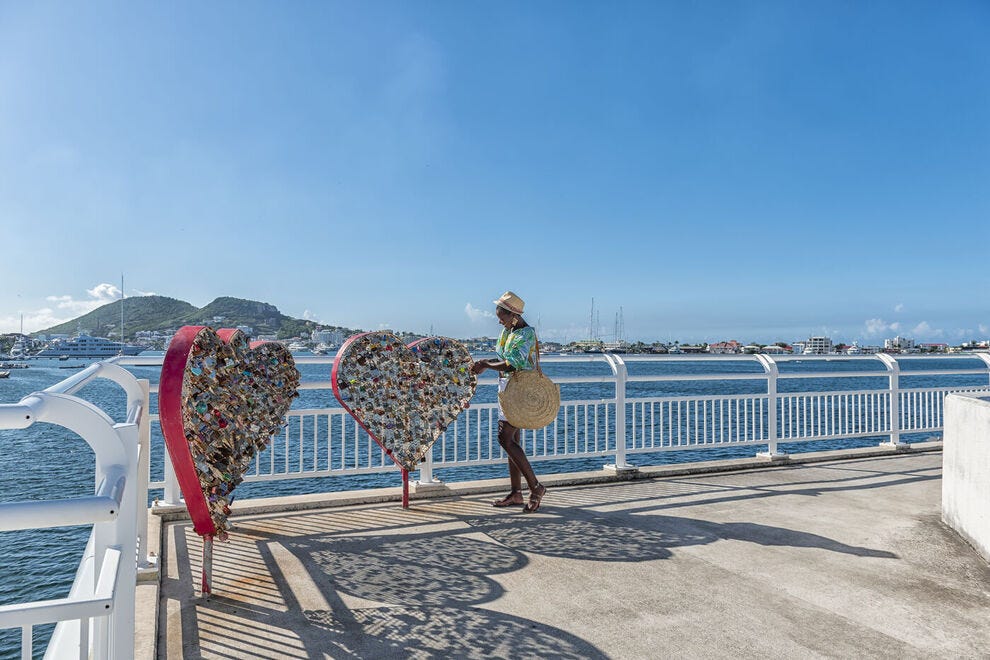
[[462, 488]]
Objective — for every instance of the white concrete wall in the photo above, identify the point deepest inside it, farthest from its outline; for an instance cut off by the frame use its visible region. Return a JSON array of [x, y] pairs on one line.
[[966, 469]]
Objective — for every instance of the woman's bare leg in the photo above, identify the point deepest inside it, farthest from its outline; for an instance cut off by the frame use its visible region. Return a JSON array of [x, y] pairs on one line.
[[508, 438]]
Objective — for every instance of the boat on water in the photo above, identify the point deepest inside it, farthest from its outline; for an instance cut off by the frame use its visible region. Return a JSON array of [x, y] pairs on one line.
[[86, 346], [323, 349], [297, 346], [21, 349], [4, 374]]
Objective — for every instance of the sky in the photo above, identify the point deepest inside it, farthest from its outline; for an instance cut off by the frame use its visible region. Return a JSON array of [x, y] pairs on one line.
[[757, 171]]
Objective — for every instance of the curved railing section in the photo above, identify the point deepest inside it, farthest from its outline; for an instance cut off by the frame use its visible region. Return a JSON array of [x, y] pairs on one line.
[[96, 619]]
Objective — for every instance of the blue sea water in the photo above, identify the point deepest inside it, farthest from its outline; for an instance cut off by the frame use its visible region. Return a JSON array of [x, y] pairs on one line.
[[45, 462]]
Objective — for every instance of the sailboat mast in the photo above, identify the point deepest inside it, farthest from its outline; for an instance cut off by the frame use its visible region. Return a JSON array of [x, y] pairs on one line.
[[591, 321], [121, 313]]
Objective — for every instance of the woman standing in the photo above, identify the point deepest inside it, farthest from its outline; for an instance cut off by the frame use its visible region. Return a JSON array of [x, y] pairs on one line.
[[515, 349]]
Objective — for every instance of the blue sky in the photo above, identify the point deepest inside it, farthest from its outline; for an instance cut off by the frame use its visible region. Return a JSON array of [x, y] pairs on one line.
[[719, 170]]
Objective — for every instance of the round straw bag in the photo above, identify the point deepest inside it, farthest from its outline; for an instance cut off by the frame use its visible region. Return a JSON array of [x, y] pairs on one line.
[[530, 400]]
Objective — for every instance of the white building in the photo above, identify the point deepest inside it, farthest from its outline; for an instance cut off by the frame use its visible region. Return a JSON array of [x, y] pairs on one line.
[[774, 350], [898, 344], [329, 337], [246, 329], [818, 346]]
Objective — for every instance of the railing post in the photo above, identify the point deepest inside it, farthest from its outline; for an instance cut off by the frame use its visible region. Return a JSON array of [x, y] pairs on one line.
[[895, 403], [426, 469], [619, 369], [770, 366], [173, 494], [146, 562], [426, 480], [124, 535]]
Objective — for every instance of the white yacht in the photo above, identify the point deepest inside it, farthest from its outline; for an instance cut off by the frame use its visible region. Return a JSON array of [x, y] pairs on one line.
[[20, 349], [297, 346], [85, 346]]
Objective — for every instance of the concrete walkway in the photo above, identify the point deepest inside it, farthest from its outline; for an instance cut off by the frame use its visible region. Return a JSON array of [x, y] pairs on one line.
[[838, 559]]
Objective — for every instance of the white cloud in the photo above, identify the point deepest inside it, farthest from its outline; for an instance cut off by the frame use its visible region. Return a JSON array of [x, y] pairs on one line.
[[33, 320], [310, 316], [925, 330], [476, 314], [65, 308], [384, 326], [876, 327], [984, 329], [899, 307]]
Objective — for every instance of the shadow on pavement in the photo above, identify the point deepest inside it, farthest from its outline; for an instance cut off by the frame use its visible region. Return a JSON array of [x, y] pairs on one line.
[[435, 569], [445, 632]]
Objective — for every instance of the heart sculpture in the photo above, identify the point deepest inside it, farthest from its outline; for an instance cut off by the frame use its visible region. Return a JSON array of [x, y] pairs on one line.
[[220, 401], [403, 396]]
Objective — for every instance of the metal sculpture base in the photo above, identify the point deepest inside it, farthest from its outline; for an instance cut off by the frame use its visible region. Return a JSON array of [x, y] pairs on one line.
[[207, 577]]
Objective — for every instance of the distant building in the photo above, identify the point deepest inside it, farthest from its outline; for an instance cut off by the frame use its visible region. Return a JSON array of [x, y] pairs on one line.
[[266, 338], [725, 348], [246, 329], [934, 348], [818, 346], [329, 337], [898, 345], [798, 347], [775, 350]]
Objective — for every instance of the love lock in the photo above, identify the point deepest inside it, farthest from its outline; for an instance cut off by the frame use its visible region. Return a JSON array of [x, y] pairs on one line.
[[405, 397]]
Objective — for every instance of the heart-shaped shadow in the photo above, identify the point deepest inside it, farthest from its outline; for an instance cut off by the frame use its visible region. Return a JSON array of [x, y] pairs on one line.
[[403, 396], [220, 400]]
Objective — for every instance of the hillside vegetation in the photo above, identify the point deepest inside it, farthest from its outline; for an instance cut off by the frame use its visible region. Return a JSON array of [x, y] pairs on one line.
[[164, 314]]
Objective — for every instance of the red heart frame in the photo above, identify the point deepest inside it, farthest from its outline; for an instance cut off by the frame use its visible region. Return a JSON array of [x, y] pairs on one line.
[[170, 406]]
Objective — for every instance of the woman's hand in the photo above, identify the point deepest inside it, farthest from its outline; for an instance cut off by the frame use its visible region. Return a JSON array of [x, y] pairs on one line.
[[478, 367]]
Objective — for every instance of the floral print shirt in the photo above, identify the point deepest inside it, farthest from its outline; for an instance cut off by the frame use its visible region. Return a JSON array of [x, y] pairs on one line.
[[517, 347]]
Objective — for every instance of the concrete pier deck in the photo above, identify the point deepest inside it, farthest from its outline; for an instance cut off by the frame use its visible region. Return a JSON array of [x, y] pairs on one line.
[[844, 558]]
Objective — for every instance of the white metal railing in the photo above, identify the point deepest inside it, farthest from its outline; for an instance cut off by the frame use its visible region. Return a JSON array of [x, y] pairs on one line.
[[96, 619], [320, 442]]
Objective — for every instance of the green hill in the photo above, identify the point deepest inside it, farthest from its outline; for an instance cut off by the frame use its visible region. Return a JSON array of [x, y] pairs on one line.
[[140, 313], [163, 313]]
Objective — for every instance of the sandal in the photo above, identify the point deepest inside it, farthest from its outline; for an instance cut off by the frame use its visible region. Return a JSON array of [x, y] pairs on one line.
[[535, 498], [508, 499]]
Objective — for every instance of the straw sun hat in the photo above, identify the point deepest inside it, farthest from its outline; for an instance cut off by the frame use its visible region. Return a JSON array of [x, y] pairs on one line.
[[511, 302]]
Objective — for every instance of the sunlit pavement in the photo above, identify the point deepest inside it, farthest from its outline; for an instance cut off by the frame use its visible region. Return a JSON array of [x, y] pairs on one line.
[[839, 559]]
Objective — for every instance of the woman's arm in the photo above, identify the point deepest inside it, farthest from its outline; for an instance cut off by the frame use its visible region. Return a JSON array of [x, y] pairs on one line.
[[490, 363]]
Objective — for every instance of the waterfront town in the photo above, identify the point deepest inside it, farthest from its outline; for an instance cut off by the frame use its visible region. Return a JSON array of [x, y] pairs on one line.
[[324, 341]]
